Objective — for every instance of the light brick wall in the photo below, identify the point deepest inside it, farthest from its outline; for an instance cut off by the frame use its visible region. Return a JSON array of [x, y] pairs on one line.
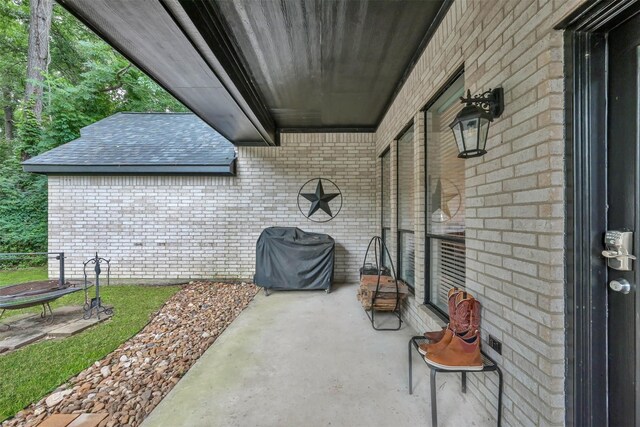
[[164, 227], [514, 194]]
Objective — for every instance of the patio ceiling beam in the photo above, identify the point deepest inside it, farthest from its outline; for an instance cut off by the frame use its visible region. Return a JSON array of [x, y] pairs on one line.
[[159, 38], [215, 43], [253, 70]]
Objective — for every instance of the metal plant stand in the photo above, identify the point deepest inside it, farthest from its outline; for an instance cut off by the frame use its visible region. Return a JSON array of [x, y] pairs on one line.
[[95, 304], [488, 365], [379, 250]]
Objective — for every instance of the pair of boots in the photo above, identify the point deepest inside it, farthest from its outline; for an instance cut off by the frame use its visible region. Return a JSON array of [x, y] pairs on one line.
[[457, 346]]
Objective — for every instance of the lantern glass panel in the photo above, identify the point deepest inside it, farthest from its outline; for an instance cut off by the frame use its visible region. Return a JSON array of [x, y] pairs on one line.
[[471, 127], [457, 133], [484, 130]]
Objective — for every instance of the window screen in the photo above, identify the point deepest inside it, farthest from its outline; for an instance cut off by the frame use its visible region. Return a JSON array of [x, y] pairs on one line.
[[406, 257], [386, 203], [445, 198]]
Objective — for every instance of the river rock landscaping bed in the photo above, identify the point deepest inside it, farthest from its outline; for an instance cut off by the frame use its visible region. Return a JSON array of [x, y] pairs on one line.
[[128, 383]]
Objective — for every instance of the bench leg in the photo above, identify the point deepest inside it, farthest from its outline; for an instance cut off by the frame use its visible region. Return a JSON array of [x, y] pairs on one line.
[[499, 397], [434, 400], [6, 324], [463, 382], [410, 369]]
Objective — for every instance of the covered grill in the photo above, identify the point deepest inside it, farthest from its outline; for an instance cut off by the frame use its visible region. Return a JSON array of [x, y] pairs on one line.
[[290, 258]]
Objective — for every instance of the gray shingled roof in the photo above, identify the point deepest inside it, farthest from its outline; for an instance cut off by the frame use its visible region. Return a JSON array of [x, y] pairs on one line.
[[141, 143]]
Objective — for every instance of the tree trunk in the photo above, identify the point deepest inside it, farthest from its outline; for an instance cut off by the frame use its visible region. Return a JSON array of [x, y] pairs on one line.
[[8, 123], [38, 55]]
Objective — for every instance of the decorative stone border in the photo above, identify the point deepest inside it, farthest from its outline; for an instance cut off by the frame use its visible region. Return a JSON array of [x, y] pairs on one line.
[[128, 383]]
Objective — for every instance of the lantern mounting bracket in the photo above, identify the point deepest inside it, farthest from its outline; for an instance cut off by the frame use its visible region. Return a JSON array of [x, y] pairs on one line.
[[491, 101]]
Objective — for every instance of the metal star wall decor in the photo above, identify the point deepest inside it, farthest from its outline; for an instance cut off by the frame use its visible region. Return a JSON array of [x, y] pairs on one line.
[[319, 201], [442, 199]]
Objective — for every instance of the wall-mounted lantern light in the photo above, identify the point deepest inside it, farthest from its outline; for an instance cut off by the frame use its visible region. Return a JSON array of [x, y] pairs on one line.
[[471, 125]]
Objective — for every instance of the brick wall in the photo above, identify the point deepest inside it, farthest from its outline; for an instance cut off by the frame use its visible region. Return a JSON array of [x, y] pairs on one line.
[[199, 227], [513, 195]]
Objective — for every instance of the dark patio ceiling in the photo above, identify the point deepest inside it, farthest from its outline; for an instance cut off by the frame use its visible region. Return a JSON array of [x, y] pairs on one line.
[[253, 68]]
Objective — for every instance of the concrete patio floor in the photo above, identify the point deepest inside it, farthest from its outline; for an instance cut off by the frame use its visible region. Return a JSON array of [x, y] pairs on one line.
[[311, 359]]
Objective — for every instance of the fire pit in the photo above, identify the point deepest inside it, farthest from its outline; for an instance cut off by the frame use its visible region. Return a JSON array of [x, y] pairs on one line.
[[23, 295]]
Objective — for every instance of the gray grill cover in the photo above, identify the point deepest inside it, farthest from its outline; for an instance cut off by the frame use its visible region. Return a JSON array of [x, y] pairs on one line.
[[289, 258]]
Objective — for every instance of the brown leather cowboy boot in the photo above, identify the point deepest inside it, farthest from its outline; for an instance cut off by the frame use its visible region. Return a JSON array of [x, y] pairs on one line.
[[462, 311], [467, 314], [436, 336], [424, 349]]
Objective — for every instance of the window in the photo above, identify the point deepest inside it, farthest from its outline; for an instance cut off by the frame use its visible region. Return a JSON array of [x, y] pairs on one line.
[[406, 256], [444, 197], [385, 161]]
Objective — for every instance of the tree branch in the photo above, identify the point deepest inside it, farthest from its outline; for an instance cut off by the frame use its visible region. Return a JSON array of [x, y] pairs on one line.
[[119, 75], [121, 72], [111, 88]]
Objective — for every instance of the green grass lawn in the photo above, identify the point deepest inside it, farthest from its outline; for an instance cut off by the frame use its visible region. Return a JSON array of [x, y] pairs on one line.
[[28, 374], [11, 277]]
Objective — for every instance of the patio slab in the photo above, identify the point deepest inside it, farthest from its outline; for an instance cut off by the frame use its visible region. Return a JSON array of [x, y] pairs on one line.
[[29, 328], [310, 358], [20, 340], [88, 420], [58, 420]]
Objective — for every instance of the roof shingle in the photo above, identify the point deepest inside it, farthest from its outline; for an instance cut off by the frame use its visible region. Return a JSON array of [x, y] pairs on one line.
[[141, 143]]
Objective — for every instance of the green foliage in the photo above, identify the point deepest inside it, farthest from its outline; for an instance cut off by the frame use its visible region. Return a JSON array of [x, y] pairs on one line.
[[86, 81], [14, 36], [23, 209], [32, 372], [107, 84], [30, 133], [5, 151]]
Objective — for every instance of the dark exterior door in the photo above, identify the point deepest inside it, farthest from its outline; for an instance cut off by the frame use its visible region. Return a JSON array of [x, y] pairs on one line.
[[623, 187], [602, 61]]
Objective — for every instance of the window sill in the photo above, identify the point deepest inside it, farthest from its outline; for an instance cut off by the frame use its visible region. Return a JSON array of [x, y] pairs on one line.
[[432, 313]]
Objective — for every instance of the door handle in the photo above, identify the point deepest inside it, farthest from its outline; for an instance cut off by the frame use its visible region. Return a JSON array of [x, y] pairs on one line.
[[614, 254], [620, 285], [618, 249]]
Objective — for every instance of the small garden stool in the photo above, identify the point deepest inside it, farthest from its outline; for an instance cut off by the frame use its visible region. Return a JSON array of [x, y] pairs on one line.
[[488, 365]]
